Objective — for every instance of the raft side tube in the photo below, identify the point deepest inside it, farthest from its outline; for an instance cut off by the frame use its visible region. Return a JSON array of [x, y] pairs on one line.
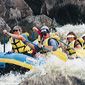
[[18, 59]]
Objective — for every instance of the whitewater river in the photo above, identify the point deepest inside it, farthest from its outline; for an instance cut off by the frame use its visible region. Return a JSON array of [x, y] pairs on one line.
[[55, 71]]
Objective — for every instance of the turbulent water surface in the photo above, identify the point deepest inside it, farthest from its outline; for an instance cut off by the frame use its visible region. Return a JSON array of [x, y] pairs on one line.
[[55, 71]]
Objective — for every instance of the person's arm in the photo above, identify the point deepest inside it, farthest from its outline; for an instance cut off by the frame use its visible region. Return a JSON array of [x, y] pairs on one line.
[[20, 38], [77, 44], [38, 31], [12, 35], [29, 44]]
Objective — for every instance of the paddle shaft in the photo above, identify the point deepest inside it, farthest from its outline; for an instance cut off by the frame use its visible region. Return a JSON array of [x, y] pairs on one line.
[[39, 47], [4, 43], [66, 44]]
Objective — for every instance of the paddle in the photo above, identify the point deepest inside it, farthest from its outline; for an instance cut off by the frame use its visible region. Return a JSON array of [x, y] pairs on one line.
[[79, 52], [4, 42], [61, 55]]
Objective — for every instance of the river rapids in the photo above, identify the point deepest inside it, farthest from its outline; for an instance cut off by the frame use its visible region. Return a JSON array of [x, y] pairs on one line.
[[55, 71]]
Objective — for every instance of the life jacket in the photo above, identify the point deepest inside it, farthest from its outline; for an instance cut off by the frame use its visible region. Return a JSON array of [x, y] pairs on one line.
[[82, 42], [46, 42], [70, 48], [25, 35], [83, 45], [52, 36], [19, 47]]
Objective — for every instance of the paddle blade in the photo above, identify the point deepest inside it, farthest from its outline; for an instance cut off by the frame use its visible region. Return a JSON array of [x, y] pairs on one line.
[[61, 55]]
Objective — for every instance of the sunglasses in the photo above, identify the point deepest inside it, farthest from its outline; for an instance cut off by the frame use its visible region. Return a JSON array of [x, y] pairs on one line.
[[15, 30], [44, 33], [69, 38]]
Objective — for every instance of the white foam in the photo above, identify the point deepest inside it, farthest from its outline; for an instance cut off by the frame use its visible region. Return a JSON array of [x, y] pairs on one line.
[[71, 67], [8, 47]]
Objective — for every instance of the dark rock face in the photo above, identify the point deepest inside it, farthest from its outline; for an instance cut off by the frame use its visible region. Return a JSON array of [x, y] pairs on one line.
[[35, 5], [68, 14], [64, 11]]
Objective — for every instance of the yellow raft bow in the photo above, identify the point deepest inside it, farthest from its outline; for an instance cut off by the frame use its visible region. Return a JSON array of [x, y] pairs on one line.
[[61, 55]]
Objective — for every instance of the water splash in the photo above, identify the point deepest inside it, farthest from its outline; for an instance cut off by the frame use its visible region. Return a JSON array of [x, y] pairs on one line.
[[8, 47], [54, 71], [78, 29]]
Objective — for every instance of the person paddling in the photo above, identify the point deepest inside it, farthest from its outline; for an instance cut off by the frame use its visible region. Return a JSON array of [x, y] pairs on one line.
[[83, 43], [47, 40], [35, 29], [19, 43], [72, 43]]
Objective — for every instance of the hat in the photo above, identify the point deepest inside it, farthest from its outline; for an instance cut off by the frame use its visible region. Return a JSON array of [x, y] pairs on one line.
[[17, 28], [43, 30], [69, 36], [44, 27]]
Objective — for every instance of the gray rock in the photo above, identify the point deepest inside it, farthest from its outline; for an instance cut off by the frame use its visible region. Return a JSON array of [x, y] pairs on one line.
[[3, 25], [38, 21], [64, 11], [14, 9], [2, 8]]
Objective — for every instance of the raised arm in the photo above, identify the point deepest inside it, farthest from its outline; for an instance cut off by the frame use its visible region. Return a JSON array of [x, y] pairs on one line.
[[20, 37]]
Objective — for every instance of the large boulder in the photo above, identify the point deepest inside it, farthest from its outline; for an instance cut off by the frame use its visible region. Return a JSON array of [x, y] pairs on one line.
[[64, 11], [10, 9], [35, 5]]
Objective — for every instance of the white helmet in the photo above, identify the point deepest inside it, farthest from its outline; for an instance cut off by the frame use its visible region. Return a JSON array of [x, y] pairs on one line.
[[44, 29]]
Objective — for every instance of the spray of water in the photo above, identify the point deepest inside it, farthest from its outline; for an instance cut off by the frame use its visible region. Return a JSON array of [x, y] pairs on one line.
[[55, 71]]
